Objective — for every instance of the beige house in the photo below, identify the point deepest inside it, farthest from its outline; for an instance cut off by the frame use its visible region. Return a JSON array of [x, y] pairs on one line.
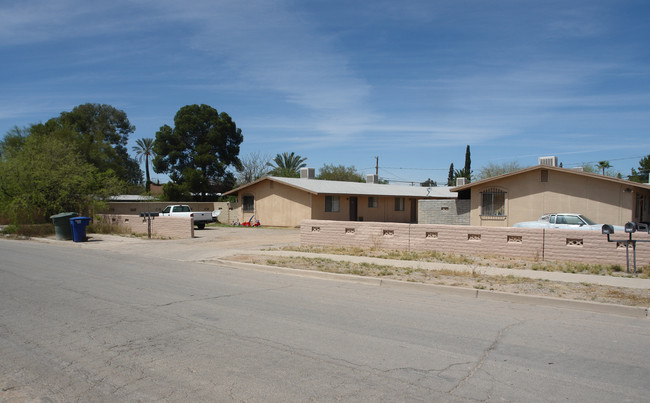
[[285, 202], [526, 194]]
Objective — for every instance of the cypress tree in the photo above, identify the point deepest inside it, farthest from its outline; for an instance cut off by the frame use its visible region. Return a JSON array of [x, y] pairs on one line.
[[468, 164], [450, 178]]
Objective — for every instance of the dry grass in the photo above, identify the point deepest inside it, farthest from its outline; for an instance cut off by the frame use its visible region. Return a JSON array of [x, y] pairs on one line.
[[469, 279], [490, 261]]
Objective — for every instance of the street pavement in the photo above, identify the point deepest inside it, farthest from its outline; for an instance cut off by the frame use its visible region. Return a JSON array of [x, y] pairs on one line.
[[138, 320]]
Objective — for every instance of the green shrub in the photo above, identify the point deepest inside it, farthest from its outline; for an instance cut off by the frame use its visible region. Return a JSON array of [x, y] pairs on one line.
[[29, 230]]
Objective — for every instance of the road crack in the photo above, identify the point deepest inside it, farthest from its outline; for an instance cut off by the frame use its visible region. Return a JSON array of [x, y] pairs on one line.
[[484, 356], [220, 296]]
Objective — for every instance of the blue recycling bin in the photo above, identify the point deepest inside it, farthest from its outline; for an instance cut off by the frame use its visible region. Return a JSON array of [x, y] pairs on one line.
[[79, 225]]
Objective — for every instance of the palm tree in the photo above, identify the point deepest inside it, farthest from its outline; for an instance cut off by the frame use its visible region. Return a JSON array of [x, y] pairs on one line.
[[287, 165], [144, 148], [603, 165]]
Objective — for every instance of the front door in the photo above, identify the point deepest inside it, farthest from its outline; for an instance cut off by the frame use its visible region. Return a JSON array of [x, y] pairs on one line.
[[353, 208], [639, 208], [414, 211]]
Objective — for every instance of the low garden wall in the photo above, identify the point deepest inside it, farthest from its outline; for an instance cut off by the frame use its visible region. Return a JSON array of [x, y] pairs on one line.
[[161, 227], [528, 243]]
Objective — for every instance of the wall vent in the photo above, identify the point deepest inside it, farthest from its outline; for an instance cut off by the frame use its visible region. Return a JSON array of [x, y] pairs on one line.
[[550, 161], [307, 173]]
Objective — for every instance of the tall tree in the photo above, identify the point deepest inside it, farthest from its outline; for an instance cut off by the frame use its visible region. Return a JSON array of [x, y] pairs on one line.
[[450, 177], [641, 174], [339, 173], [13, 140], [45, 176], [589, 168], [100, 134], [493, 169], [429, 183], [144, 150], [253, 167], [468, 166], [287, 165], [199, 150], [603, 165]]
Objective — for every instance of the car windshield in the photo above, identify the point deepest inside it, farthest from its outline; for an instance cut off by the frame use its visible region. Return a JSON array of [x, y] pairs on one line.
[[587, 220]]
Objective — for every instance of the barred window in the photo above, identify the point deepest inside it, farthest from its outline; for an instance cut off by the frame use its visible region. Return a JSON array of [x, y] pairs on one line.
[[493, 202], [372, 202]]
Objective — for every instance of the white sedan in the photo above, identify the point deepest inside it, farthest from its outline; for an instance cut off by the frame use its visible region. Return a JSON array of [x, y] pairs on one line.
[[564, 221]]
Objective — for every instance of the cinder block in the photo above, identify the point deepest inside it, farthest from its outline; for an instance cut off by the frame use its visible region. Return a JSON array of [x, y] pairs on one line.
[[528, 243]]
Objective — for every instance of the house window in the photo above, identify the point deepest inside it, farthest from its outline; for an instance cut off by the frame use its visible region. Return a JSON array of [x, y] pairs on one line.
[[248, 203], [332, 204], [493, 202], [372, 202], [399, 204]]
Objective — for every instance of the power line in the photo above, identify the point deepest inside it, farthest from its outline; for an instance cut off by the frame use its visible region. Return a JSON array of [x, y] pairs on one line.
[[595, 162]]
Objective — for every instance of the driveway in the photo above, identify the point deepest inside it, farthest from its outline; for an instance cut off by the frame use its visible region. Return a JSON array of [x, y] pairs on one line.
[[208, 244]]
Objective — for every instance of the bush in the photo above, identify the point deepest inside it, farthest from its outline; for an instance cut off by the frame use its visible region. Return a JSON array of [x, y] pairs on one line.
[[30, 230]]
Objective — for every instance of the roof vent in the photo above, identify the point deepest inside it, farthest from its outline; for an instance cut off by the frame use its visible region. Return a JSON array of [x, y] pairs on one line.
[[372, 178], [461, 181], [307, 173], [550, 161]]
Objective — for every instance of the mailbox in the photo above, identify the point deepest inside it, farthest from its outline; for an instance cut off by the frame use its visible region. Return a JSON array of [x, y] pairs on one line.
[[149, 214], [630, 228], [608, 229]]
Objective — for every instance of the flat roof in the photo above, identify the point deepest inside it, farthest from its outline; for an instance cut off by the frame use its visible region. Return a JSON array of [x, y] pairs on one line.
[[317, 186]]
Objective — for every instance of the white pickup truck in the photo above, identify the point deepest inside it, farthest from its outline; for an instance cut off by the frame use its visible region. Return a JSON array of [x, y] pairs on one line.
[[181, 210]]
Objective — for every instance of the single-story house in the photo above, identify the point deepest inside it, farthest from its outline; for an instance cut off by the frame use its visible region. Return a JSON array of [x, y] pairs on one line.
[[286, 202], [526, 194]]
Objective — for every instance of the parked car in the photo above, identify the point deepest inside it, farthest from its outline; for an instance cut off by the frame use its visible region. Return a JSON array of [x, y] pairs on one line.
[[182, 210], [564, 221]]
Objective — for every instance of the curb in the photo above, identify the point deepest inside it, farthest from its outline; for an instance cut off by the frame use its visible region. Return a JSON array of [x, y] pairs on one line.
[[595, 307]]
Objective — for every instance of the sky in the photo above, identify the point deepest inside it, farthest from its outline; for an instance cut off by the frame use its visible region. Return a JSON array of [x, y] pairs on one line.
[[344, 82]]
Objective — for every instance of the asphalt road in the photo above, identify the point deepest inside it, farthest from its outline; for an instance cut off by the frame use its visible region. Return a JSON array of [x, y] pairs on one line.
[[85, 324]]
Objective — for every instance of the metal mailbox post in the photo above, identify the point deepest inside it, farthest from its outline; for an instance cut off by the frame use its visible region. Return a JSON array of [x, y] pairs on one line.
[[148, 217], [630, 228]]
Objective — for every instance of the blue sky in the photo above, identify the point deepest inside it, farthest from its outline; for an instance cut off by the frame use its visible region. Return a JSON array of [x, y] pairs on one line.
[[340, 82]]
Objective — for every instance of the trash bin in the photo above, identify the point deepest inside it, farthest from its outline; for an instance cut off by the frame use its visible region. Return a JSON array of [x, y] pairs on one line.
[[79, 225], [62, 227]]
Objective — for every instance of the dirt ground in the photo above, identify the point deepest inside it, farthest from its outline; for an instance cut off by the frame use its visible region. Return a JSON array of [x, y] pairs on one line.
[[475, 279]]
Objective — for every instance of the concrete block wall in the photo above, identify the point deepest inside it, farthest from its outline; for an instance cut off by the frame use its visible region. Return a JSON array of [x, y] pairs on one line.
[[135, 208], [165, 227], [449, 212], [514, 242], [592, 247], [527, 243]]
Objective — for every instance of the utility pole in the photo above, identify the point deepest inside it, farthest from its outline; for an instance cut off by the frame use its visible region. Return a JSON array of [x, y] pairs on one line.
[[377, 166]]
